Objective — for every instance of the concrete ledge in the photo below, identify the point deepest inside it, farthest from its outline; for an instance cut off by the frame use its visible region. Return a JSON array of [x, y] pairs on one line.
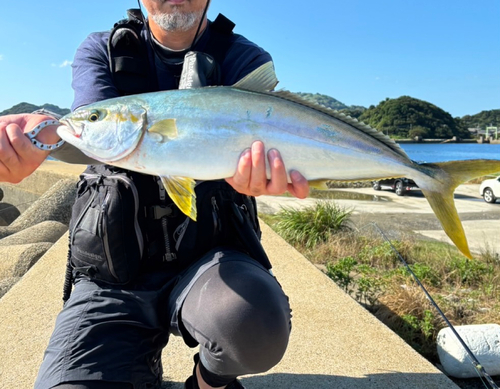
[[27, 317]]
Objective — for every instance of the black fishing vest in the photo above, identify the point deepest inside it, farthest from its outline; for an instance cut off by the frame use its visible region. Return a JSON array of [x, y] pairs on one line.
[[132, 63]]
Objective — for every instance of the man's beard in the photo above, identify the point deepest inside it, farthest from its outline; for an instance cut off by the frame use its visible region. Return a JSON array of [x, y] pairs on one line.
[[177, 21]]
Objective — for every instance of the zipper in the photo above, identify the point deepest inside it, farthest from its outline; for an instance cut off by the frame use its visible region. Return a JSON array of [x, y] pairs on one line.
[[169, 255], [104, 218], [179, 232], [161, 188], [215, 216]]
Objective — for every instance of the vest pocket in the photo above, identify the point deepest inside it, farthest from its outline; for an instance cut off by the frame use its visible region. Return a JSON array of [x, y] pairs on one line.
[[106, 242]]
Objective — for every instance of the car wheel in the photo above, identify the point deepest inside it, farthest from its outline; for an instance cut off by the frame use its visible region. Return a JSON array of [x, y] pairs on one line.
[[488, 196], [376, 186], [400, 190]]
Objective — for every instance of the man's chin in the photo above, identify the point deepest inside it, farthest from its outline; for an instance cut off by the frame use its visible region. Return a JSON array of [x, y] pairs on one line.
[[177, 21]]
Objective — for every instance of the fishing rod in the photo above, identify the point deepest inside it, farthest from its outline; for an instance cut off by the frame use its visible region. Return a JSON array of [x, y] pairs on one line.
[[477, 365]]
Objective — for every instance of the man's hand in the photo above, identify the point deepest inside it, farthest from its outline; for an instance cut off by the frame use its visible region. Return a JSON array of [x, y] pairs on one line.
[[18, 156], [250, 177]]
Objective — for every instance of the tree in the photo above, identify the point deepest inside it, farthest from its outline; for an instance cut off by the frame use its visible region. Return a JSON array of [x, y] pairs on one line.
[[419, 132], [400, 116], [482, 119]]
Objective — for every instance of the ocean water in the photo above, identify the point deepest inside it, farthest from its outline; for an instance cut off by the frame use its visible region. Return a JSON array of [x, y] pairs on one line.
[[442, 152]]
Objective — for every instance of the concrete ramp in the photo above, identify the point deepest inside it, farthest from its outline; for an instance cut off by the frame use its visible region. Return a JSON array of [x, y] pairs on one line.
[[27, 316], [335, 342]]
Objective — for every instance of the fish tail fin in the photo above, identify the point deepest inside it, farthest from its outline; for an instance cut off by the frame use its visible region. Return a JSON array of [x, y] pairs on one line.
[[448, 176], [443, 205]]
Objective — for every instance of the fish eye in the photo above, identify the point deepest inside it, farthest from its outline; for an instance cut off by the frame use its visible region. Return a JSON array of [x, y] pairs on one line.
[[94, 116]]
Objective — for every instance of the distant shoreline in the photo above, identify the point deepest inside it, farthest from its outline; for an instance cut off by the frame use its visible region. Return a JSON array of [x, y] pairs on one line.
[[427, 141]]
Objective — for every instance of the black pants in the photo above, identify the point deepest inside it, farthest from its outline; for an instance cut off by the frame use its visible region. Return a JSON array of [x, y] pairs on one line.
[[227, 303]]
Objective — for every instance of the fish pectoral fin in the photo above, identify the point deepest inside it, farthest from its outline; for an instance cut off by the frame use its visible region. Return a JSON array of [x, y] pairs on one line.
[[166, 128], [181, 191], [262, 79]]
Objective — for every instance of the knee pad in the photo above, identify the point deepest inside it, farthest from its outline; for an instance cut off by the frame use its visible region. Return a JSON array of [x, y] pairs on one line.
[[240, 315]]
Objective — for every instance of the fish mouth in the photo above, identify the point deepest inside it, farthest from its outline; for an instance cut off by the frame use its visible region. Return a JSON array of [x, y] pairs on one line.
[[68, 129]]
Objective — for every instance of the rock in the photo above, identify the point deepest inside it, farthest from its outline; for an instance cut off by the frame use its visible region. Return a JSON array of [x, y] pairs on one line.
[[16, 260], [55, 205], [484, 342], [48, 231], [6, 284]]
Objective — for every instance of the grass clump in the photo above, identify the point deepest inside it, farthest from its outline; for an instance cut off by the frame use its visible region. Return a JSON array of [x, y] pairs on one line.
[[313, 225]]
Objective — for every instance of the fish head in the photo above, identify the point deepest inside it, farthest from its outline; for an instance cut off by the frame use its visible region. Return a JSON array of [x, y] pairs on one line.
[[104, 131]]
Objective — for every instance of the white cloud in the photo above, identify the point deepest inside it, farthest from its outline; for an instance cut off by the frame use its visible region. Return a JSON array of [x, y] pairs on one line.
[[64, 64], [1, 57]]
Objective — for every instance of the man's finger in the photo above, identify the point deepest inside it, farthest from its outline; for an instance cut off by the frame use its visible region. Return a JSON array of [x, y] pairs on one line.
[[299, 186], [258, 178], [241, 177], [20, 142], [278, 183], [9, 159]]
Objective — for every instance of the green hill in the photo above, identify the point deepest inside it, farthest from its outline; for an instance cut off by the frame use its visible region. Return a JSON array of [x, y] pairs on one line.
[[482, 119], [28, 108], [324, 100], [330, 102], [407, 117]]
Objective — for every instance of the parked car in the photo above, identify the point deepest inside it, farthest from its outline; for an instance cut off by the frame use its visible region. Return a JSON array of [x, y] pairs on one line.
[[398, 185], [490, 190]]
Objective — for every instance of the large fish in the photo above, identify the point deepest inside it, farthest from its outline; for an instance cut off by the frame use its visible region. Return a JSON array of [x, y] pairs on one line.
[[199, 134]]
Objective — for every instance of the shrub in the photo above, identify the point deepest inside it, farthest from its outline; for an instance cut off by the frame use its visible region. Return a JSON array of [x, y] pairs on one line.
[[340, 272]]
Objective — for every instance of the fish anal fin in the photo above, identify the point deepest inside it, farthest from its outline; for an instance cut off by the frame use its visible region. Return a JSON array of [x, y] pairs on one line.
[[181, 191], [166, 128]]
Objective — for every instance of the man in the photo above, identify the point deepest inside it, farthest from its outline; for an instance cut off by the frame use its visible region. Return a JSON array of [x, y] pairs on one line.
[[111, 336]]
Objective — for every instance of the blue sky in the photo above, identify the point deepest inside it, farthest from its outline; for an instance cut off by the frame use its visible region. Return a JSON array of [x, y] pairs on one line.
[[360, 52]]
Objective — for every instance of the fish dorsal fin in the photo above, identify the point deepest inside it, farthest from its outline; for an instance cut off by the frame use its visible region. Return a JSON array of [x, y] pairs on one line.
[[181, 191], [262, 79], [166, 128], [380, 136]]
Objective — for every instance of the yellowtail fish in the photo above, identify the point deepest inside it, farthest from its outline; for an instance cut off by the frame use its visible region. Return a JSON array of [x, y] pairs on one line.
[[199, 134]]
